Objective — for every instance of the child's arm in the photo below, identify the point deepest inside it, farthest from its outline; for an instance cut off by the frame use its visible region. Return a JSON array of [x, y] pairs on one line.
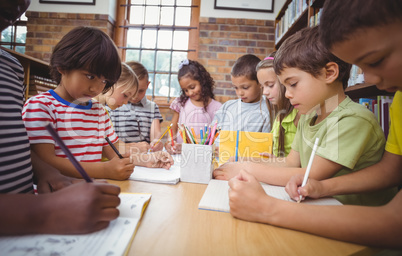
[[117, 169], [160, 159], [279, 173], [384, 174], [79, 208], [155, 135], [357, 224], [175, 119]]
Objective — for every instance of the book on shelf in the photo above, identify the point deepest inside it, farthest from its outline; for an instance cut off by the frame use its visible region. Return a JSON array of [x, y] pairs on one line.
[[294, 10], [113, 240]]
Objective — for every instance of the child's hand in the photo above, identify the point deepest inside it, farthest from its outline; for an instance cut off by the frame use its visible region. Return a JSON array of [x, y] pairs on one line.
[[176, 149], [156, 146], [228, 170], [81, 208], [313, 188], [119, 169], [160, 159], [245, 196], [137, 147]]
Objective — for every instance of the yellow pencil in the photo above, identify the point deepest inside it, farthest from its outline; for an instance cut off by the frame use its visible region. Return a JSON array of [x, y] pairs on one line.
[[161, 137]]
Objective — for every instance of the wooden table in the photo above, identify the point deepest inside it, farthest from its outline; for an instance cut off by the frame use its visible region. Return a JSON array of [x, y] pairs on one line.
[[173, 225]]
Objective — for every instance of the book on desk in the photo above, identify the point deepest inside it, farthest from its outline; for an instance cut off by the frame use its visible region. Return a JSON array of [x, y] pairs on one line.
[[114, 240], [216, 197]]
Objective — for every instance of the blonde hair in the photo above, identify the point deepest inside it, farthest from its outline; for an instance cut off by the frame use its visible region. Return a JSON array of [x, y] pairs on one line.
[[128, 78], [138, 69]]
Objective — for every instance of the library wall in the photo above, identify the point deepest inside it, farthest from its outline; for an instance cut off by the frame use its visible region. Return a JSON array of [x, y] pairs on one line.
[[45, 29]]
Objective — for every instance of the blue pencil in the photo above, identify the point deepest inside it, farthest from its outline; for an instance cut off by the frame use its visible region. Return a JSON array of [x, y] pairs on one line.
[[237, 146]]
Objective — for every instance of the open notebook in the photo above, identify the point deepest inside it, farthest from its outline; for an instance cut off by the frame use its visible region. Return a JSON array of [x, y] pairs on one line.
[[158, 175], [216, 197], [114, 240]]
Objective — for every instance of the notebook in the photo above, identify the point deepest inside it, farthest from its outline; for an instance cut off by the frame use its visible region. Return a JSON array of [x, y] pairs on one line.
[[251, 144], [114, 240], [216, 197], [158, 175]]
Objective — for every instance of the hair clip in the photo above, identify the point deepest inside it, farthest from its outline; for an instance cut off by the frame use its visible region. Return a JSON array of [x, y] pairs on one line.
[[183, 63], [269, 58]]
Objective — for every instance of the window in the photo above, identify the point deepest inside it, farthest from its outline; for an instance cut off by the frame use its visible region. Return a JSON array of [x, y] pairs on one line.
[[14, 36], [160, 34]]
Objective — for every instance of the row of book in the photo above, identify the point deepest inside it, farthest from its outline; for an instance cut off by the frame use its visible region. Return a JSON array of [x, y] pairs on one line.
[[292, 13], [38, 84], [315, 19], [380, 108]]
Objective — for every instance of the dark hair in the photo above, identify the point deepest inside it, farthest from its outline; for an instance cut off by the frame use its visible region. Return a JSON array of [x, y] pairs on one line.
[[304, 51], [341, 18], [246, 66], [196, 71], [280, 110], [89, 49]]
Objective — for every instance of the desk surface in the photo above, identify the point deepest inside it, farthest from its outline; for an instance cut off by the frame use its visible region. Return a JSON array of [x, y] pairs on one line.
[[173, 225]]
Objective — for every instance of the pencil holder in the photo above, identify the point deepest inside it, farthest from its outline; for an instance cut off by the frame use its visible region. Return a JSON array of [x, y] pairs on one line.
[[197, 163]]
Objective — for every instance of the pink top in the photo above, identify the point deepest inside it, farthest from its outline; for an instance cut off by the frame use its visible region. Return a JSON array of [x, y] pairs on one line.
[[193, 116]]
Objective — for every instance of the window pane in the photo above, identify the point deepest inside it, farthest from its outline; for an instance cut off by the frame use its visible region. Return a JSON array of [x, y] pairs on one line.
[[23, 17], [180, 40], [6, 35], [184, 2], [152, 15], [167, 2], [21, 34], [149, 38], [132, 55], [137, 14], [163, 61], [176, 59], [162, 85], [167, 16], [151, 85], [165, 39], [20, 49], [152, 2], [138, 1], [174, 86], [183, 15], [148, 60], [134, 38]]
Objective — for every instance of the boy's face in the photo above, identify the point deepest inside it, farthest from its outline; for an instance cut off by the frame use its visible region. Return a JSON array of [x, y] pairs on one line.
[[119, 96], [249, 91], [80, 86], [142, 89], [304, 91], [378, 52]]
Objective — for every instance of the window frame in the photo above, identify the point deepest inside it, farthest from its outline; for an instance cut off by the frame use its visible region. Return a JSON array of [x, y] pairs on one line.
[[122, 27]]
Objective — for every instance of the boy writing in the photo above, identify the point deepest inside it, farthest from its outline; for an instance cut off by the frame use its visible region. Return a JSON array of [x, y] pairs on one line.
[[366, 33], [71, 208], [315, 81]]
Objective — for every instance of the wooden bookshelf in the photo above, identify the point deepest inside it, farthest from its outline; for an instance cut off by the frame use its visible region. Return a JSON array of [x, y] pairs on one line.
[[364, 91], [34, 70]]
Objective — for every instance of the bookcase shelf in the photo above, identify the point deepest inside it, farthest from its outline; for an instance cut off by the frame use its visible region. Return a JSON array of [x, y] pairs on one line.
[[36, 73]]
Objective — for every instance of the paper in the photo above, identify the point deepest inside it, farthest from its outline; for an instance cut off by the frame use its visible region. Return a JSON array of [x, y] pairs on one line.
[[158, 175], [251, 144], [216, 196], [114, 240]]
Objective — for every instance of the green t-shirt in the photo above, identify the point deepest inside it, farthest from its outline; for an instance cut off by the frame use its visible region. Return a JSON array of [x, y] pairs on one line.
[[349, 136], [290, 132]]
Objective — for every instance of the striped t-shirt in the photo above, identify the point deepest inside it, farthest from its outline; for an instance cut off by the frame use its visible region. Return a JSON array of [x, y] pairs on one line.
[[15, 156], [82, 128], [132, 122]]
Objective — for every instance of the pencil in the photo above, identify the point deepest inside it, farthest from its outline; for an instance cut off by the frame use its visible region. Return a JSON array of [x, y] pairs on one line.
[[310, 162], [168, 128], [193, 133], [237, 146], [113, 147], [171, 137], [68, 153]]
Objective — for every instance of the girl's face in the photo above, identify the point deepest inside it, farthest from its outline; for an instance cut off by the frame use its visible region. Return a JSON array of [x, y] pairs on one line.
[[191, 88], [249, 91], [79, 86], [119, 96], [270, 84]]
